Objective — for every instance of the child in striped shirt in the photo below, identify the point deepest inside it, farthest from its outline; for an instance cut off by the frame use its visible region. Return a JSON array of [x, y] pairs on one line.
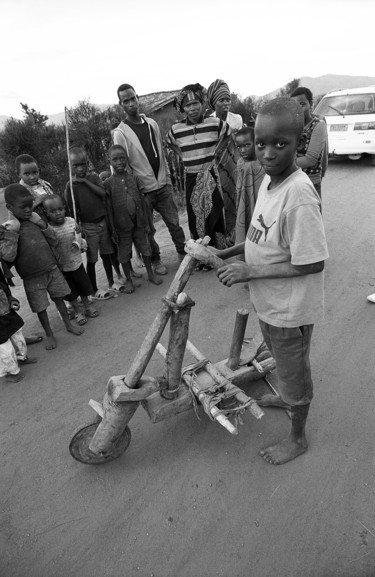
[[69, 258]]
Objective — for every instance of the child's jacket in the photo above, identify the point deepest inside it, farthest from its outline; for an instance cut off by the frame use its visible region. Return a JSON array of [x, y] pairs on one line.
[[30, 249], [125, 204]]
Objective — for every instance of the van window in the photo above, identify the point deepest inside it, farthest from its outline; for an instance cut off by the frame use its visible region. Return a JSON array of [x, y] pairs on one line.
[[346, 104]]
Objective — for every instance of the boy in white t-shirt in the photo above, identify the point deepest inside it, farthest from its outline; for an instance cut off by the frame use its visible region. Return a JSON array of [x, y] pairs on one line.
[[285, 250]]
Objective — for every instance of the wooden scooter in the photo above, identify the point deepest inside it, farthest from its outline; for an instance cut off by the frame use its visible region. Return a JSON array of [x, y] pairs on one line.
[[217, 387]]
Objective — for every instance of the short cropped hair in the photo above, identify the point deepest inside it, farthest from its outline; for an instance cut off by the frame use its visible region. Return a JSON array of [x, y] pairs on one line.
[[116, 147], [53, 197], [77, 150], [245, 131], [23, 159], [285, 105], [303, 90], [122, 88], [15, 192]]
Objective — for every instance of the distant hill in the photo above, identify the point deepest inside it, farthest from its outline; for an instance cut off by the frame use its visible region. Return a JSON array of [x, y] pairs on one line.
[[323, 84]]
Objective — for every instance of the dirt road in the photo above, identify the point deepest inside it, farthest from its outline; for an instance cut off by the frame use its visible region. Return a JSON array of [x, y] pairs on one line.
[[187, 499]]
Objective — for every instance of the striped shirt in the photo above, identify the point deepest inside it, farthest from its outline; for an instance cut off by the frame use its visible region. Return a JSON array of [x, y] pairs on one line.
[[197, 142], [68, 255]]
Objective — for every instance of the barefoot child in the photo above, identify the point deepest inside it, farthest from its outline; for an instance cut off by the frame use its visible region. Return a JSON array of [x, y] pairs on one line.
[[285, 250], [36, 263], [69, 258], [249, 176], [127, 216], [13, 348], [89, 196]]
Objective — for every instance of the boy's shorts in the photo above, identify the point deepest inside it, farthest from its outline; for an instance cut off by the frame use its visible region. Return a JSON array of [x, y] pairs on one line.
[[137, 236], [38, 288], [290, 347], [98, 239], [79, 283]]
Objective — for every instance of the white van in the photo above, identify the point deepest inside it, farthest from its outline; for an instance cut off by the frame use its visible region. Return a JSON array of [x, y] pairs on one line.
[[350, 117]]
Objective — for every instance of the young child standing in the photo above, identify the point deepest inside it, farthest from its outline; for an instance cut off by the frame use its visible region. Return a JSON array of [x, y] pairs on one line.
[[285, 250], [13, 348], [127, 216], [248, 180], [69, 258], [36, 263], [89, 196], [28, 172]]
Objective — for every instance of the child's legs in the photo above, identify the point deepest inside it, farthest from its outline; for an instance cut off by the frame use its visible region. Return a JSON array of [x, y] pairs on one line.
[[107, 265], [290, 347], [44, 321], [19, 344], [37, 296], [80, 286], [127, 270], [141, 243], [58, 289], [106, 250], [116, 264], [91, 231], [8, 359], [125, 243], [92, 276]]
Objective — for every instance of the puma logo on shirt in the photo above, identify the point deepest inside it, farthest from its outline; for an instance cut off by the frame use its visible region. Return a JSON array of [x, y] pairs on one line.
[[254, 234]]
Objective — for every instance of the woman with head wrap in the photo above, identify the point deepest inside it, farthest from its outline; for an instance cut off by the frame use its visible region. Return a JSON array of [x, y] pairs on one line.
[[196, 139], [218, 99]]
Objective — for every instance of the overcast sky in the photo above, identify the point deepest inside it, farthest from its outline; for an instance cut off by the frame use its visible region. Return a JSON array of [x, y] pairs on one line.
[[56, 52]]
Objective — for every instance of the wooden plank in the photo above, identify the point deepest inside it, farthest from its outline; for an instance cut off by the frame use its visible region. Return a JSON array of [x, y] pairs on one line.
[[237, 338], [178, 335], [160, 409]]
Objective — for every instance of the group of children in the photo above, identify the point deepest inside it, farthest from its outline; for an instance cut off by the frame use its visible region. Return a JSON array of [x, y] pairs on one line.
[[45, 246]]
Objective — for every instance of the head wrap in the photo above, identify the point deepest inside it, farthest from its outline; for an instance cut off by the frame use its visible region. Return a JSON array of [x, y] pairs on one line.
[[218, 89], [189, 92]]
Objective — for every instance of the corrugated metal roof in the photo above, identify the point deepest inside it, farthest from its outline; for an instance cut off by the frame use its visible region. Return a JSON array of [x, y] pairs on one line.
[[156, 100]]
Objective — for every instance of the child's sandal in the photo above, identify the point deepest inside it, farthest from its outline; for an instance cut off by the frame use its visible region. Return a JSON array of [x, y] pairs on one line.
[[80, 319], [91, 312]]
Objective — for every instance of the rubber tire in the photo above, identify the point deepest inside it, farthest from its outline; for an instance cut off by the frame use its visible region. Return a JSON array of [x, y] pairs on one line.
[[79, 445]]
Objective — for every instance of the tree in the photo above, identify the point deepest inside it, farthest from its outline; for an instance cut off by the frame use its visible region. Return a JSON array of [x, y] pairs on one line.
[[33, 116], [32, 137], [90, 128], [244, 107]]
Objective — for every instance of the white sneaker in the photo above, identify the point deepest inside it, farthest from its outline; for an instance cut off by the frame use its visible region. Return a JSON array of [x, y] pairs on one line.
[[371, 298]]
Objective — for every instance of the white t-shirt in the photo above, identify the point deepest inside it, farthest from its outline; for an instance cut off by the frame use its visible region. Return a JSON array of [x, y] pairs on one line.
[[287, 226]]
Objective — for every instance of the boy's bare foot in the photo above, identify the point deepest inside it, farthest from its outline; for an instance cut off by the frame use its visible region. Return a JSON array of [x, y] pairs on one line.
[[154, 279], [14, 378], [284, 451], [270, 400], [74, 329], [128, 287], [50, 343], [28, 361]]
